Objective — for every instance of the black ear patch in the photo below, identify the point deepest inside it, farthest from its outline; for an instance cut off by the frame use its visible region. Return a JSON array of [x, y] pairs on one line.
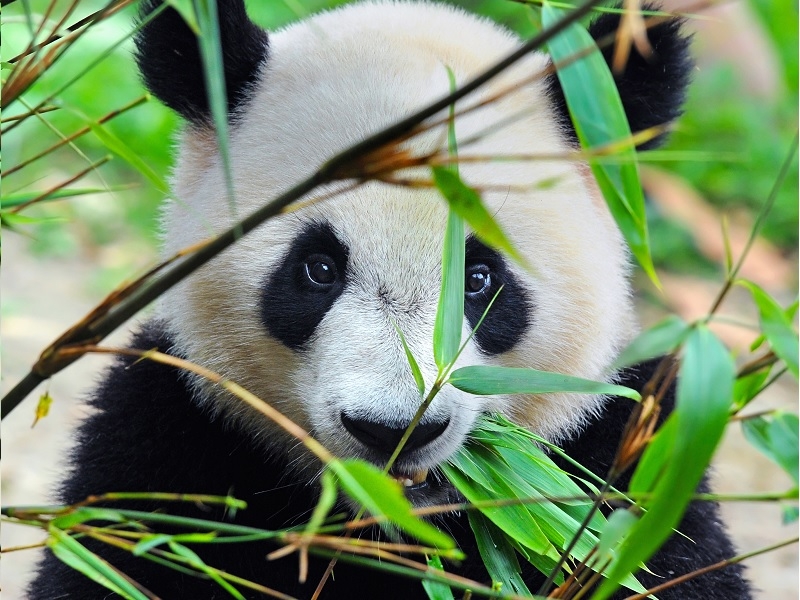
[[652, 89], [168, 56]]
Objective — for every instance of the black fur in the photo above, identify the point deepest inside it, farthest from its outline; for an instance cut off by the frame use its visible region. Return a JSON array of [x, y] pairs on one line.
[[511, 314], [292, 306], [652, 89], [148, 434], [168, 56]]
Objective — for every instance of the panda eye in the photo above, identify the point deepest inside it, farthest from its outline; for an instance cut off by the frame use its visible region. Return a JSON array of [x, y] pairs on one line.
[[478, 279], [321, 269]]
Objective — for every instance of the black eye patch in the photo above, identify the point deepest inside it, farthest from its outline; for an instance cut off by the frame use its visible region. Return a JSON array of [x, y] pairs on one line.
[[309, 279], [512, 312]]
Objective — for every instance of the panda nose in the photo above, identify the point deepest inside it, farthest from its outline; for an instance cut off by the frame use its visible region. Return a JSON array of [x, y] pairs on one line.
[[384, 438]]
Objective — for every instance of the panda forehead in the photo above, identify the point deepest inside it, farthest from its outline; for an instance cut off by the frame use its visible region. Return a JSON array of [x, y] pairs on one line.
[[387, 229], [339, 77]]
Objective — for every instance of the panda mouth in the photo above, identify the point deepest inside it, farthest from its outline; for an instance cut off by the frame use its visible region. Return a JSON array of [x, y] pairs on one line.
[[415, 480]]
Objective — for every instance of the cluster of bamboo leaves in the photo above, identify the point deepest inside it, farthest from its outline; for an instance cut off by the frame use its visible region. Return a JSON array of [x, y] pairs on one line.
[[524, 506]]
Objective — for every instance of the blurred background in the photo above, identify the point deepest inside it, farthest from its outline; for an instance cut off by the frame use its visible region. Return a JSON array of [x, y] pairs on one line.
[[91, 154]]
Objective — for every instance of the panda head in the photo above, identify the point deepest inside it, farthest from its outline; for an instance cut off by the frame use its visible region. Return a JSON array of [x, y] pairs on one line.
[[303, 310]]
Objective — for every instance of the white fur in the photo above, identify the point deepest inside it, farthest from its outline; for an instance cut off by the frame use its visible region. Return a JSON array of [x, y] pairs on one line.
[[329, 82]]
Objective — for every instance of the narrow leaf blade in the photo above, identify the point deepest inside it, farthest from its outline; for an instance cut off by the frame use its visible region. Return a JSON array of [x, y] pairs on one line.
[[487, 381], [599, 120], [450, 312], [704, 396], [383, 496]]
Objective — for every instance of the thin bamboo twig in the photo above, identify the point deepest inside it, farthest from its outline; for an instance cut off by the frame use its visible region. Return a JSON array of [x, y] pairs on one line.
[[716, 566], [75, 135]]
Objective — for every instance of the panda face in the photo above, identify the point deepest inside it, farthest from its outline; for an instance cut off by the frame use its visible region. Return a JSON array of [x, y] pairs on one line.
[[303, 311]]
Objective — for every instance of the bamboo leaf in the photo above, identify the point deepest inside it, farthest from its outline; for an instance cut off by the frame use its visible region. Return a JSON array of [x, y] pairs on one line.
[[467, 203], [73, 553], [776, 326], [704, 394], [327, 499], [746, 388], [487, 381], [662, 338], [159, 539], [436, 590], [12, 200], [43, 407], [497, 554], [514, 520], [383, 496], [120, 148], [214, 71], [619, 524], [196, 562], [412, 362], [450, 311], [599, 119], [84, 514], [777, 438]]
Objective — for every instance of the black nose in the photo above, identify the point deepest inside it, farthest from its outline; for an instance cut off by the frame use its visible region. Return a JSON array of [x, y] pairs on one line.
[[384, 438]]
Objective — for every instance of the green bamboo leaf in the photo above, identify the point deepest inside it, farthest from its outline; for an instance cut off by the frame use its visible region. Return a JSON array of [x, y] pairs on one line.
[[186, 10], [412, 362], [327, 499], [13, 221], [436, 590], [84, 514], [487, 381], [655, 460], [619, 524], [776, 326], [214, 72], [12, 200], [777, 438], [515, 520], [482, 473], [749, 386], [662, 338], [467, 203], [497, 553], [704, 394], [159, 539], [790, 514], [196, 562], [450, 311], [383, 496], [151, 541], [121, 149], [599, 119], [68, 550]]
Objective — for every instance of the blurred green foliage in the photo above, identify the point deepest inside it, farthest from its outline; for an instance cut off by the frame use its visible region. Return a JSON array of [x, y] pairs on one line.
[[722, 118]]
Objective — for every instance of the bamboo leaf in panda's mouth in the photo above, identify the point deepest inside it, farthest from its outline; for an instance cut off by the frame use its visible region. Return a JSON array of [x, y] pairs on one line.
[[383, 496], [502, 462]]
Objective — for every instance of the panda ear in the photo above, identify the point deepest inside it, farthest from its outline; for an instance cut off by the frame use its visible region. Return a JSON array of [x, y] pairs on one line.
[[652, 88], [168, 56]]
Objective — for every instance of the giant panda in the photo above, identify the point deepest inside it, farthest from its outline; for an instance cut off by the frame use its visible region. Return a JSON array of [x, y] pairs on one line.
[[302, 311]]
